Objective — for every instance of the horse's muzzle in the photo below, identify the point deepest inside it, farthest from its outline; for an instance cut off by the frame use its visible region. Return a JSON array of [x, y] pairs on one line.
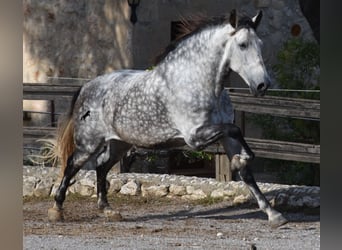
[[261, 89]]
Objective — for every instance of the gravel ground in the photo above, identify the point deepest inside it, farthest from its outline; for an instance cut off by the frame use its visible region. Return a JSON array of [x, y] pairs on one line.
[[165, 224]]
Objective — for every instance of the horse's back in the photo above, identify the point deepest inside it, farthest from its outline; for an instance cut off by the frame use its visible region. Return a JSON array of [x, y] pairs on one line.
[[98, 101], [124, 105]]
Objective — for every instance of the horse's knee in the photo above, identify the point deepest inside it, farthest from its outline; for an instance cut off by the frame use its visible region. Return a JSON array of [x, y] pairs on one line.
[[240, 161]]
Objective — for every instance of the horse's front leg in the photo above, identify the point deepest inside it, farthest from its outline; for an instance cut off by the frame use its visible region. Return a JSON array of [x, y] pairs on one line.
[[240, 156], [240, 161]]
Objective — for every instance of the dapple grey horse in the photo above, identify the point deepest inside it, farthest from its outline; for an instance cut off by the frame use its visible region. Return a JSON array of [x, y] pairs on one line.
[[181, 100]]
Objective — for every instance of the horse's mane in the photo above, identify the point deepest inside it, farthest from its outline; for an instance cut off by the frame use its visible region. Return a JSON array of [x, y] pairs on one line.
[[187, 28], [195, 24]]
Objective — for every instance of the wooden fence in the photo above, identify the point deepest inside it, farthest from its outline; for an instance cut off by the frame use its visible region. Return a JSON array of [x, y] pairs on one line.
[[277, 106]]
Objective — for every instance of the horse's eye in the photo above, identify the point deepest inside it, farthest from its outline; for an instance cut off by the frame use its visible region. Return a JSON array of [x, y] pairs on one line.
[[243, 45]]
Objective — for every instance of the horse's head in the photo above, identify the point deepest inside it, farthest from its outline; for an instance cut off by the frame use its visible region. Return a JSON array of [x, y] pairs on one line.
[[245, 54]]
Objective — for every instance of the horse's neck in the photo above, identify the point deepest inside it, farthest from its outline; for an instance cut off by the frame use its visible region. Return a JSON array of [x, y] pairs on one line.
[[198, 62]]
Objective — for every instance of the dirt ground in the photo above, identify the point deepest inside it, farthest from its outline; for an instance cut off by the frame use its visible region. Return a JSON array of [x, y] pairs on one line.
[[165, 224]]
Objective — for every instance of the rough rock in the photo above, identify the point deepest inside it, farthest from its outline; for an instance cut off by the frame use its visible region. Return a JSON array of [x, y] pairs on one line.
[[43, 188], [29, 183], [156, 190], [194, 194], [115, 186], [38, 181], [220, 193], [130, 188], [177, 190]]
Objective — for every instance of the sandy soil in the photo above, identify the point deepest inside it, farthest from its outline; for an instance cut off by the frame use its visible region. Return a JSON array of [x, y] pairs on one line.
[[165, 224]]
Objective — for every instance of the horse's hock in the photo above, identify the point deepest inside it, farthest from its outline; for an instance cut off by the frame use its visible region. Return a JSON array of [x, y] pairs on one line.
[[42, 182]]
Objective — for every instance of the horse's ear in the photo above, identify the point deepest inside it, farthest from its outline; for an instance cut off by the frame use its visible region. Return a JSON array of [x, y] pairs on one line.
[[256, 20], [233, 18]]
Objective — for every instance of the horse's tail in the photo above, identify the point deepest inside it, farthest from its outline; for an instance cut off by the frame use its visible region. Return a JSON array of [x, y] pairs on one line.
[[65, 145]]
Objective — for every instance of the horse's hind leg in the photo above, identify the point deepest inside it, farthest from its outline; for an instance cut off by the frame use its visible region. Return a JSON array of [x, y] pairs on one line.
[[116, 151], [75, 162], [240, 161]]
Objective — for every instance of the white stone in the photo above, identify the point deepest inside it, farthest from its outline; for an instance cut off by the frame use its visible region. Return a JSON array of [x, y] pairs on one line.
[[190, 189], [196, 194], [29, 183], [177, 190], [218, 193], [43, 187], [88, 182], [240, 199], [219, 235], [156, 191], [130, 188], [115, 185], [86, 190]]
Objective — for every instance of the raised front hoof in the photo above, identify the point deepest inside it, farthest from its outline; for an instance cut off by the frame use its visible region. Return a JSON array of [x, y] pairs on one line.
[[112, 215], [238, 162], [277, 221], [55, 215]]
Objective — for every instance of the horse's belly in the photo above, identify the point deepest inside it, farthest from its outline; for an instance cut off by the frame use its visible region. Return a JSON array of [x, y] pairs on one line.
[[144, 129], [141, 134]]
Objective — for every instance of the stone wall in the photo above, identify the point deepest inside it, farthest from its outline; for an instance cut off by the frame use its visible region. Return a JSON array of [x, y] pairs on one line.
[[152, 30], [42, 182], [75, 38]]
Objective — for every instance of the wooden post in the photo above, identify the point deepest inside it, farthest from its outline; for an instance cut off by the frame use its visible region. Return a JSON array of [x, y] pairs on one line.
[[53, 117], [222, 168]]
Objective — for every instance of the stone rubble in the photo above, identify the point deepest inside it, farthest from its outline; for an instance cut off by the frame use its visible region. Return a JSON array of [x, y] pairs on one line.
[[43, 181]]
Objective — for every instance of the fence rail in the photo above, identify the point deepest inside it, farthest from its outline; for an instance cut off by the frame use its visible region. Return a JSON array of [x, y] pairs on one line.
[[276, 106]]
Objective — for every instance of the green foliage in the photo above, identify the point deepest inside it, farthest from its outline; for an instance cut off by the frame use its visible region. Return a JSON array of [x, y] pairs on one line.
[[197, 155], [297, 68]]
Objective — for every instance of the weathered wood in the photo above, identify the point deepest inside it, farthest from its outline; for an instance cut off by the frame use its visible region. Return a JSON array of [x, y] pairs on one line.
[[32, 134], [275, 105], [40, 91], [222, 168], [38, 132], [283, 150], [261, 147]]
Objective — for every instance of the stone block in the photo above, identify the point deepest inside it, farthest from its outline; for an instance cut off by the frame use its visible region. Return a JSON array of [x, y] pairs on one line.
[[86, 190], [240, 199], [220, 193], [130, 188], [194, 194], [29, 183], [177, 190], [115, 185], [43, 187], [88, 182], [154, 191]]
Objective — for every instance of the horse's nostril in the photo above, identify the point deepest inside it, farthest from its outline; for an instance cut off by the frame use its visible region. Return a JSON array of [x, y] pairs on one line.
[[261, 86]]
